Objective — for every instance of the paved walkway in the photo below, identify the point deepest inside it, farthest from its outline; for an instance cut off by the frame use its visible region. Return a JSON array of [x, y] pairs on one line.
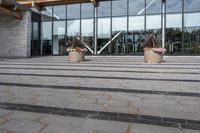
[[104, 94]]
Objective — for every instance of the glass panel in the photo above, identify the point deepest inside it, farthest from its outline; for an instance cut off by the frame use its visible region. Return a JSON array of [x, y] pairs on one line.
[[192, 33], [153, 22], [104, 10], [136, 7], [73, 28], [136, 23], [35, 45], [87, 32], [46, 13], [59, 12], [104, 28], [35, 28], [136, 28], [59, 27], [119, 45], [153, 18], [46, 37], [119, 24], [73, 11], [87, 10], [153, 6], [87, 27], [119, 8], [173, 6], [58, 37], [46, 30], [174, 32], [192, 5], [103, 33]]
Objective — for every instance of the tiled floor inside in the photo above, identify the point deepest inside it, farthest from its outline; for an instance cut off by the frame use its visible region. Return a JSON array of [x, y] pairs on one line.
[[104, 94]]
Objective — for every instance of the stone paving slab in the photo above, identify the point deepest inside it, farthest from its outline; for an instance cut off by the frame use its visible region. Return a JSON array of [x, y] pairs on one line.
[[130, 67], [18, 126]]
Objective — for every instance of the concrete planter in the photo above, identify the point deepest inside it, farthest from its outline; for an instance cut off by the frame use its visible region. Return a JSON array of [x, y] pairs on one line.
[[75, 56], [152, 57]]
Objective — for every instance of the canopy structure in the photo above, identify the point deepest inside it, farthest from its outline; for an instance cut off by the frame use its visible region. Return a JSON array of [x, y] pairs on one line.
[[13, 7]]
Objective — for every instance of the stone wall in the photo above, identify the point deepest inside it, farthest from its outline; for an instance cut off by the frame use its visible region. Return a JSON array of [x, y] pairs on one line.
[[15, 36]]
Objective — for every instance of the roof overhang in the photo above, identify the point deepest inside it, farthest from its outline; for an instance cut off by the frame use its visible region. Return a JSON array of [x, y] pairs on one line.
[[41, 3], [12, 8]]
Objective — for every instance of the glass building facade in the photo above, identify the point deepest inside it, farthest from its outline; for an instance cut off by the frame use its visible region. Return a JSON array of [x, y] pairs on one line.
[[115, 27]]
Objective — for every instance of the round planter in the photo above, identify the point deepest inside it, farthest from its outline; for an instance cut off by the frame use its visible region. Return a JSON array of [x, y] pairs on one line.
[[75, 56], [152, 57]]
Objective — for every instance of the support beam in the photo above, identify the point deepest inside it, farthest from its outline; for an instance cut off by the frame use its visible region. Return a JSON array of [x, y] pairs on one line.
[[34, 5], [10, 13], [94, 2], [41, 3]]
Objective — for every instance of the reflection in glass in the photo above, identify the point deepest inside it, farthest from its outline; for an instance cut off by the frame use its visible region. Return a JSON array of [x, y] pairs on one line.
[[103, 33], [35, 44], [119, 45], [192, 33], [104, 10], [119, 8], [153, 6], [119, 24], [153, 22], [59, 12], [191, 5], [87, 10], [58, 37], [46, 30], [46, 38], [46, 13], [73, 28], [136, 7], [173, 6], [174, 33], [104, 28], [73, 11], [136, 23], [87, 31]]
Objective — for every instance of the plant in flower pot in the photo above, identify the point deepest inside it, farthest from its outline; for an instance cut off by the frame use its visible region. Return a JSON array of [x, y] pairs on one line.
[[153, 52], [75, 50]]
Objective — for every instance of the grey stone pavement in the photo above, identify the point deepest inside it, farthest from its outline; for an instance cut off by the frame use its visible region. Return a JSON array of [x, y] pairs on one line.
[[22, 81]]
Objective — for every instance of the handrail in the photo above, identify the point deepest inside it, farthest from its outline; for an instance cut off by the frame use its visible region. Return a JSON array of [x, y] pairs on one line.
[[99, 52], [85, 45]]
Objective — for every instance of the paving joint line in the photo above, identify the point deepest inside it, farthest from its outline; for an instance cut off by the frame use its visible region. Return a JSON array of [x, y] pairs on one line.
[[117, 90], [109, 116]]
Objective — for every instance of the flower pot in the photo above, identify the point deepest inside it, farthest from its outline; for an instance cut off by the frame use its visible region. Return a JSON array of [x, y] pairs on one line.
[[151, 56], [75, 56]]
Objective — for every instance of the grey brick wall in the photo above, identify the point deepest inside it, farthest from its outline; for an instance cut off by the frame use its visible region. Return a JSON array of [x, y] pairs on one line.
[[15, 36]]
